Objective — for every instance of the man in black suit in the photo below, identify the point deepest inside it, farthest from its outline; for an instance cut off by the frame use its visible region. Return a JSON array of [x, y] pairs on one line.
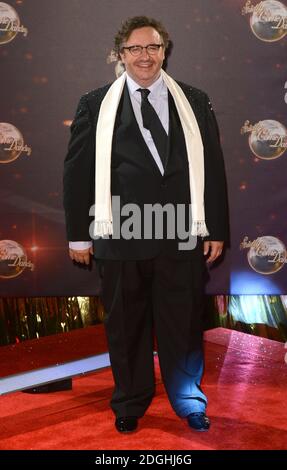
[[149, 283]]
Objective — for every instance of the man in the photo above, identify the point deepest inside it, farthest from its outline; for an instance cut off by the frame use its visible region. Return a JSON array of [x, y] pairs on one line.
[[148, 140]]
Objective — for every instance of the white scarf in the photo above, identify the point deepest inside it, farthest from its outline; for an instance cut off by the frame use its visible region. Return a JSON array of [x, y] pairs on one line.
[[103, 224]]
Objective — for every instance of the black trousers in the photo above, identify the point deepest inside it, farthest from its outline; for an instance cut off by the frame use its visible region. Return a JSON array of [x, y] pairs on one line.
[[164, 296]]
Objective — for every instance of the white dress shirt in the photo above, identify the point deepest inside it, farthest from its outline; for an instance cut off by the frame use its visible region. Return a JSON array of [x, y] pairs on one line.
[[158, 98]]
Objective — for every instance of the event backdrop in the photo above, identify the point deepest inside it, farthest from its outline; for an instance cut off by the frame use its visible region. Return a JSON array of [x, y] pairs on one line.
[[53, 51]]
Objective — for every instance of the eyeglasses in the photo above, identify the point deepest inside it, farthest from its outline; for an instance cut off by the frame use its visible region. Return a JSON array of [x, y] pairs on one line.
[[151, 49]]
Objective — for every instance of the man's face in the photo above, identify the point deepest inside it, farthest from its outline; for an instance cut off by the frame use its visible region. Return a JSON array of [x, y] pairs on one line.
[[145, 68]]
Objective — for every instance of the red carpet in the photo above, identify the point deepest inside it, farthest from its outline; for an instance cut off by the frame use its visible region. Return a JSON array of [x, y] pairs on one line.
[[245, 380], [50, 350]]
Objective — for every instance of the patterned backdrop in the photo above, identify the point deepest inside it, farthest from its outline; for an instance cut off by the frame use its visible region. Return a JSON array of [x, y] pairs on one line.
[[53, 51]]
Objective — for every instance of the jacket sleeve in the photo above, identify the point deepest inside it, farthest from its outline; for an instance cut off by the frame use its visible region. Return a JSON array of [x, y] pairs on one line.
[[79, 174], [215, 193]]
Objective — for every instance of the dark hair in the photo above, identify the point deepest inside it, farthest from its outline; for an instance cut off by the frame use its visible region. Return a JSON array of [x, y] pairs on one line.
[[137, 22]]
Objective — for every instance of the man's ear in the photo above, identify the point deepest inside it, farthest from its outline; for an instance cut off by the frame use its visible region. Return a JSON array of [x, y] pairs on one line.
[[122, 56]]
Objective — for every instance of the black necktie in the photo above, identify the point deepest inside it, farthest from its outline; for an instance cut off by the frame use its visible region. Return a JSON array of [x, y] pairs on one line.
[[152, 122]]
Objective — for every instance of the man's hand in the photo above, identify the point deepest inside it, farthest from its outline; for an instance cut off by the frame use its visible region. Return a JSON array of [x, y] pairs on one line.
[[81, 256], [215, 249]]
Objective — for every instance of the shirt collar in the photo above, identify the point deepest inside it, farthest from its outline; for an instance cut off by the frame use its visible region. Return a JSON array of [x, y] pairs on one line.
[[155, 89]]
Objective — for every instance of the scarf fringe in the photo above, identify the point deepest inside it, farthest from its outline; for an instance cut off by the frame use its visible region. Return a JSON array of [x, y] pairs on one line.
[[198, 228], [103, 228]]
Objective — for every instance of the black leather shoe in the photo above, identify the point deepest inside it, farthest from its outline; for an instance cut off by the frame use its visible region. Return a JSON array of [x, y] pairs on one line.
[[198, 421], [126, 424]]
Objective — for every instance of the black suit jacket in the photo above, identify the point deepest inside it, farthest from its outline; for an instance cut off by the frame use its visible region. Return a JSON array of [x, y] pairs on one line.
[[79, 169]]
